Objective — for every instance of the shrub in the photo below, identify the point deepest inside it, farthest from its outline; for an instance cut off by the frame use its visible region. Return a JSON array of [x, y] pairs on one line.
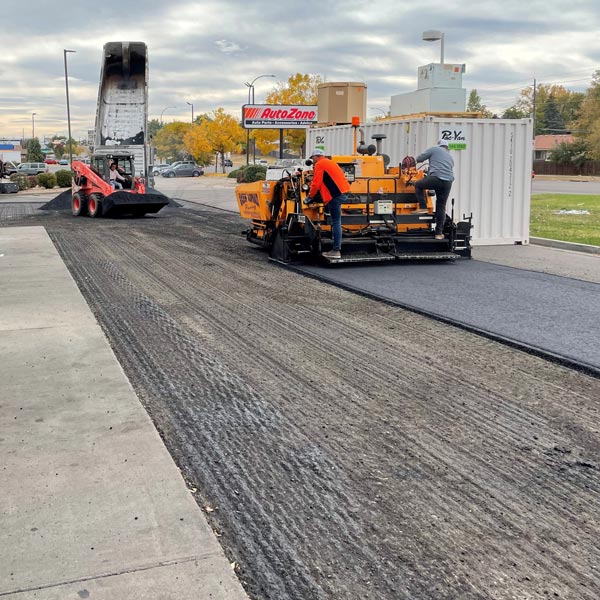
[[47, 180], [21, 180], [233, 174], [33, 180], [250, 173], [63, 178]]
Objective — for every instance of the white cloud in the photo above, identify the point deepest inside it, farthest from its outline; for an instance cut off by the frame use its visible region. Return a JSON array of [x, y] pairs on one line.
[[227, 46]]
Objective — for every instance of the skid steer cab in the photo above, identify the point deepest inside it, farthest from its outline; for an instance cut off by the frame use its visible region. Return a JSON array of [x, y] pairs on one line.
[[95, 195], [380, 221]]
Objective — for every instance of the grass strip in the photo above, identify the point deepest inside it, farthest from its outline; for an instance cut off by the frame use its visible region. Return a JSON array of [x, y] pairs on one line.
[[548, 222]]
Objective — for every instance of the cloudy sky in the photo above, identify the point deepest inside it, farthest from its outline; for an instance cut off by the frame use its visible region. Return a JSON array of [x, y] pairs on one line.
[[203, 52]]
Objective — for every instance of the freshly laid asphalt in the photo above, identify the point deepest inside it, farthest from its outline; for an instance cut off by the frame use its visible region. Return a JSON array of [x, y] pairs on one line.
[[556, 315], [91, 503]]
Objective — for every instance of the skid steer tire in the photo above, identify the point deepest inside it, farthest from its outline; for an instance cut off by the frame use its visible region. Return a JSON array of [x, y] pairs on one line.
[[78, 205], [95, 206]]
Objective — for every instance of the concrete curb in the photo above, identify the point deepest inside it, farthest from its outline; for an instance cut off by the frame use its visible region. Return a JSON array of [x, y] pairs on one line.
[[574, 247]]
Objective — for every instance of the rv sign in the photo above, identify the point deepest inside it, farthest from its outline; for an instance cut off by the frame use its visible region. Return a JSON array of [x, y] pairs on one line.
[[270, 116]]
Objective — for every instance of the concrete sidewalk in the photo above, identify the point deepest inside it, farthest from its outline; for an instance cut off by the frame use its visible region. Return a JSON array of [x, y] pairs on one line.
[[91, 503]]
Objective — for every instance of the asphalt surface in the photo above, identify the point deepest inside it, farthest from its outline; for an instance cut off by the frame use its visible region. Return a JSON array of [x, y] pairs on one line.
[[342, 447], [565, 186], [557, 315]]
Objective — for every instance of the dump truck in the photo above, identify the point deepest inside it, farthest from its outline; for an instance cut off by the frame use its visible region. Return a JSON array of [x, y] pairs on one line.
[[120, 138], [379, 222]]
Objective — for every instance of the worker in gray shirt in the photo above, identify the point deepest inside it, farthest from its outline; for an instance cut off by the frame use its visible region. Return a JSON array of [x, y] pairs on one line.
[[439, 179]]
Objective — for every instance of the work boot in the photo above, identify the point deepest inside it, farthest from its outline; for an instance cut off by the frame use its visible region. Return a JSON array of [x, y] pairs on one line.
[[332, 254], [420, 211], [439, 236]]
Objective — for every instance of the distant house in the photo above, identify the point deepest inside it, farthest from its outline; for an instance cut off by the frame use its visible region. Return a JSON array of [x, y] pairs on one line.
[[544, 144]]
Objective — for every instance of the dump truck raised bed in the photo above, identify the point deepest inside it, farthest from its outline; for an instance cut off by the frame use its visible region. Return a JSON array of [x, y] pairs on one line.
[[120, 138]]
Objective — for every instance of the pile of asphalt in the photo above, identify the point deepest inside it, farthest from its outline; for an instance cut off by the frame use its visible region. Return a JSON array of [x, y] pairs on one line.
[[63, 200], [60, 202]]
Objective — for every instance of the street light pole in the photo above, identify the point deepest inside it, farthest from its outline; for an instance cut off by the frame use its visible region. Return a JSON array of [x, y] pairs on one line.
[[192, 111], [33, 125], [380, 110], [433, 35], [251, 101], [167, 108], [68, 107]]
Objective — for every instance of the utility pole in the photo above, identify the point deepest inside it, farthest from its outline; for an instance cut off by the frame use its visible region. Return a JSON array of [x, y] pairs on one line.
[[534, 111], [534, 104]]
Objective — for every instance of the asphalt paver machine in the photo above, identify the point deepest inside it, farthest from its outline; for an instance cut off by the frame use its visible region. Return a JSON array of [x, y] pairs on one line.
[[379, 222]]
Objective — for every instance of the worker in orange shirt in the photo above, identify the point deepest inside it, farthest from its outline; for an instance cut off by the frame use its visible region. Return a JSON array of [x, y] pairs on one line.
[[329, 179]]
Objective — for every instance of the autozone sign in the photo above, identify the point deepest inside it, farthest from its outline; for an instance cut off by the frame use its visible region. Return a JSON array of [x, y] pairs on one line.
[[270, 116]]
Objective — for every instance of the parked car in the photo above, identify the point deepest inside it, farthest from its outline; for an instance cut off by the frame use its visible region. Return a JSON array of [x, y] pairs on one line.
[[32, 168], [184, 170], [183, 162], [51, 161], [156, 169], [228, 162], [63, 161]]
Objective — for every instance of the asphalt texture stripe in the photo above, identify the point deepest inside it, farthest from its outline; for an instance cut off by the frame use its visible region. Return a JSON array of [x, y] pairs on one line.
[[554, 316]]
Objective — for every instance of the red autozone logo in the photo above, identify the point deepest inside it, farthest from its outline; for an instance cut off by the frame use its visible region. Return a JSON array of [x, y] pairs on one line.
[[293, 113]]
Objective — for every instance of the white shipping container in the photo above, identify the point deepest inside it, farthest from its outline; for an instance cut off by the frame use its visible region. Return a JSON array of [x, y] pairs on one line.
[[493, 170]]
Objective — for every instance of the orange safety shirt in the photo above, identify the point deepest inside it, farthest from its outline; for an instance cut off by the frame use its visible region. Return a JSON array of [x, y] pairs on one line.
[[329, 179]]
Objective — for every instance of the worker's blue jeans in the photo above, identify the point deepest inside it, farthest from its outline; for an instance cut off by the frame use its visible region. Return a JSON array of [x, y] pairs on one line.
[[335, 212]]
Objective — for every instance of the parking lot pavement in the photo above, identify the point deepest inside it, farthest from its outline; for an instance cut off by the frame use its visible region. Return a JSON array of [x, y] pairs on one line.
[[91, 502]]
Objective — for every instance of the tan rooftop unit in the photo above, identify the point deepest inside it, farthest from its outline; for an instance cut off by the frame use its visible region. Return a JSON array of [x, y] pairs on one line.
[[339, 102]]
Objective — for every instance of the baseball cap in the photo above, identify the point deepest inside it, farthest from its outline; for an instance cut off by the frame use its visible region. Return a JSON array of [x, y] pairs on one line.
[[317, 152], [443, 143]]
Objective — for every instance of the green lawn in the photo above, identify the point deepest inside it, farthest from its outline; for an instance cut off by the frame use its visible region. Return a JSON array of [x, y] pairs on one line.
[[583, 229]]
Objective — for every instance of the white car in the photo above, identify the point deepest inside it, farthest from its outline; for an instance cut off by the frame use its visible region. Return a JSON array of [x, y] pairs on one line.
[[283, 168], [156, 169]]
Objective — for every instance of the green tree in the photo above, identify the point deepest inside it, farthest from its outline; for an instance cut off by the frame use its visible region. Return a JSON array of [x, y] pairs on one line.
[[71, 147], [57, 142], [34, 151], [588, 123], [514, 113], [567, 102], [169, 140], [553, 120], [475, 105], [575, 153]]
